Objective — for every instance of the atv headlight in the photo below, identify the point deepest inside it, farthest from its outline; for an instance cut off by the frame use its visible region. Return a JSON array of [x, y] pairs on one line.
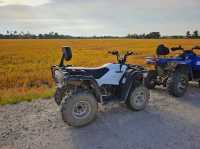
[[59, 76]]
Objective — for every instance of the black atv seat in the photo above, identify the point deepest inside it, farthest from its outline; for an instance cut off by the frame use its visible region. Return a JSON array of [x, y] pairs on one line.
[[162, 50], [97, 72]]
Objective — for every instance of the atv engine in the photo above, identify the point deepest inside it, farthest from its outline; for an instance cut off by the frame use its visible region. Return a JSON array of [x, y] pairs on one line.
[[109, 90]]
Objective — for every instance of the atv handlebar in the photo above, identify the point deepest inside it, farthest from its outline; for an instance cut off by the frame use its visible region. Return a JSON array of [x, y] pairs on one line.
[[121, 58], [182, 49], [113, 52], [196, 47], [126, 54], [177, 48], [129, 53]]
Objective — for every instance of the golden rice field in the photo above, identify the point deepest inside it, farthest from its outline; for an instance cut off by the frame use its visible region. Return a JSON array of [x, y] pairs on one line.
[[25, 64]]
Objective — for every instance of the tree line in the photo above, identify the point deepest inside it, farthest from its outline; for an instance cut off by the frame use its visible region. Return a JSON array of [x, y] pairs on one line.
[[54, 35], [195, 34]]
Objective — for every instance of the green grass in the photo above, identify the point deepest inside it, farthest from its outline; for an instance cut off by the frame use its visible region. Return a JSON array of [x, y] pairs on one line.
[[30, 96]]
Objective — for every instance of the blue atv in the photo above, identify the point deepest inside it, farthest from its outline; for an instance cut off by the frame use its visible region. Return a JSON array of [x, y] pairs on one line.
[[173, 72]]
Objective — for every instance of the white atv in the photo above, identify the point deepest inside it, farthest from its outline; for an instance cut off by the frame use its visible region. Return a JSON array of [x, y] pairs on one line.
[[80, 89]]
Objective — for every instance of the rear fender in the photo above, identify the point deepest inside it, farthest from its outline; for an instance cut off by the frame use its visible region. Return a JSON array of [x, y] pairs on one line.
[[76, 82], [86, 81]]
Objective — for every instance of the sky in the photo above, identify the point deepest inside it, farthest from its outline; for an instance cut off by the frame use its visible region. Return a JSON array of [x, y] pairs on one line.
[[100, 17]]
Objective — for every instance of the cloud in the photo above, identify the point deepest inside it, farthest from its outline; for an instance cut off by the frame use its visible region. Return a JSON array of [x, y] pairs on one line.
[[23, 2], [99, 17]]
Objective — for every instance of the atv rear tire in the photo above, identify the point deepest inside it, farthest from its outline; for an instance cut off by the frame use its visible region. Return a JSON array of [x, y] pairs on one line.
[[79, 109], [138, 98], [150, 80], [177, 84]]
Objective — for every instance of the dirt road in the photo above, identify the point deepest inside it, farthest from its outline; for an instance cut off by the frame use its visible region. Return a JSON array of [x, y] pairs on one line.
[[167, 123]]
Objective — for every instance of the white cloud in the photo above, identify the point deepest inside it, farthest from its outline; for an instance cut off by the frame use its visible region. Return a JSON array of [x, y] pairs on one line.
[[23, 2], [100, 17]]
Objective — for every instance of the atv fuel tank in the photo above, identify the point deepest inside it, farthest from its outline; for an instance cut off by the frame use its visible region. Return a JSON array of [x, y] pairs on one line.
[[114, 74]]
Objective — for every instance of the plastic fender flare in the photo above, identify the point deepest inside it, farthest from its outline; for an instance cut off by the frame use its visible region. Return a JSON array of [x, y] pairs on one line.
[[134, 79], [89, 79]]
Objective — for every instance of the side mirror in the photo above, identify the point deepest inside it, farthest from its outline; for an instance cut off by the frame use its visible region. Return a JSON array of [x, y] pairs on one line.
[[67, 53]]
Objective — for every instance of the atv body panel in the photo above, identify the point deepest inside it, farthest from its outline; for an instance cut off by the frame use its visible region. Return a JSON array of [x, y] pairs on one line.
[[117, 78], [107, 74]]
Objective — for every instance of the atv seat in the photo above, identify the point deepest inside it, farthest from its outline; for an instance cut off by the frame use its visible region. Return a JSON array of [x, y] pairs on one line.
[[96, 72], [162, 50]]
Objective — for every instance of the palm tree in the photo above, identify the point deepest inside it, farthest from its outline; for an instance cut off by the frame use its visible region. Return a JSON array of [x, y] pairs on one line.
[[188, 35], [195, 34]]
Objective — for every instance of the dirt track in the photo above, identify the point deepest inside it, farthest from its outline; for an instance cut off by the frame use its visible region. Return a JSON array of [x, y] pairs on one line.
[[167, 123]]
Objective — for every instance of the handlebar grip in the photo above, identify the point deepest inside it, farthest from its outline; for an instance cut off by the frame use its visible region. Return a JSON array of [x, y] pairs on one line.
[[129, 53], [113, 52]]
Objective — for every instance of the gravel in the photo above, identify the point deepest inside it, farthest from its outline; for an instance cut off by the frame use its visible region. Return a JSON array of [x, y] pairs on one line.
[[167, 123]]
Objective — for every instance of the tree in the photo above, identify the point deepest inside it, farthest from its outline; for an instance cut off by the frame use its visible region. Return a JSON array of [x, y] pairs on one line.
[[15, 32], [188, 35], [195, 34], [153, 35], [7, 32]]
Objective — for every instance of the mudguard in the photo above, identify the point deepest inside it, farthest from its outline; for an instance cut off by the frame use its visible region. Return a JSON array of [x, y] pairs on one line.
[[131, 79], [78, 79]]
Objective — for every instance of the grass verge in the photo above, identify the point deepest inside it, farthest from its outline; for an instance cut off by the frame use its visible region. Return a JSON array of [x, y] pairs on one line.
[[13, 96]]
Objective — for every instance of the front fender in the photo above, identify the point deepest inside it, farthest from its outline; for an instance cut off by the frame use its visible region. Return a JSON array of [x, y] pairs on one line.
[[133, 79]]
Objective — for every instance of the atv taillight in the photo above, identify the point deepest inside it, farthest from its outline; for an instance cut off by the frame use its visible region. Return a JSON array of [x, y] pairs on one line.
[[52, 71], [53, 68]]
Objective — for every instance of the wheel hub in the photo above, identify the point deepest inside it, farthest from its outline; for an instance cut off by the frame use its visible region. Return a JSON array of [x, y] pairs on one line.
[[181, 85], [139, 98], [81, 109]]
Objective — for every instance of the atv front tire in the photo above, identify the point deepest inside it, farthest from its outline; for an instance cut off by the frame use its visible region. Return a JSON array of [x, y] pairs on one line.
[[150, 80], [177, 84], [79, 109], [138, 98]]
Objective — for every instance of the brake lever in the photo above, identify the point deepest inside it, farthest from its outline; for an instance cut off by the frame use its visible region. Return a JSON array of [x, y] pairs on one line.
[[128, 53]]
